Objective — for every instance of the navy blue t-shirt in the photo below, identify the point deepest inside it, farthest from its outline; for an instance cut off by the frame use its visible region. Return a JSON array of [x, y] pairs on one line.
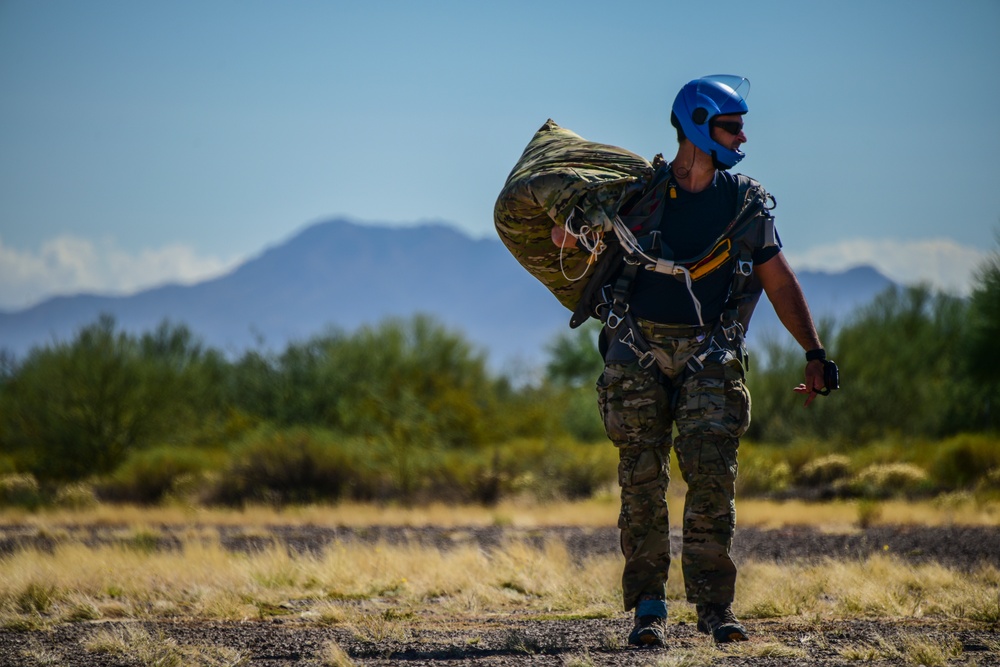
[[690, 225]]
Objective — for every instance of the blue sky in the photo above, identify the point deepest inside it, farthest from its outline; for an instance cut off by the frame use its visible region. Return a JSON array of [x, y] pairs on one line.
[[144, 142]]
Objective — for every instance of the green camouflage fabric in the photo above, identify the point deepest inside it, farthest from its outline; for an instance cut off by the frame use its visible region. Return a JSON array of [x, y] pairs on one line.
[[711, 412], [558, 172]]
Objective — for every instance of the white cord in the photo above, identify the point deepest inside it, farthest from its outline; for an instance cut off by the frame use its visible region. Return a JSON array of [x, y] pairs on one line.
[[658, 264], [694, 299], [594, 245]]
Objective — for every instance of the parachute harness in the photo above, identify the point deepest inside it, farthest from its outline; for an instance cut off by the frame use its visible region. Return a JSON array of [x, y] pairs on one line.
[[590, 237], [657, 264], [612, 305]]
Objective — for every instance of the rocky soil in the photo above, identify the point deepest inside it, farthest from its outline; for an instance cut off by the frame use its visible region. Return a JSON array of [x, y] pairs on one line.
[[509, 641]]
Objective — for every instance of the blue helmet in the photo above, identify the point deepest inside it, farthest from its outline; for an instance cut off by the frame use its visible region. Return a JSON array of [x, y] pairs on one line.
[[701, 100]]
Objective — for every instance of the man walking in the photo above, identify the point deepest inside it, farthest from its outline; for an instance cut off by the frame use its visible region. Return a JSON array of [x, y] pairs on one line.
[[675, 357]]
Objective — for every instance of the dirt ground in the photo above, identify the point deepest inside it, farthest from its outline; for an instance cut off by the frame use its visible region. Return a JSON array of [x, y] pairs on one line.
[[510, 641]]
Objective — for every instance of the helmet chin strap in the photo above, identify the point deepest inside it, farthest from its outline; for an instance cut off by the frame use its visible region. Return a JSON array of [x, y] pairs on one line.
[[718, 165]]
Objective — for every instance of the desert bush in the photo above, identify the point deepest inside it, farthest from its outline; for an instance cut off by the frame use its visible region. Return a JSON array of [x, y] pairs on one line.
[[903, 345], [982, 332], [907, 344], [542, 469], [767, 468], [581, 417], [298, 465], [987, 490], [778, 416], [148, 475], [963, 460], [561, 468], [579, 470], [75, 496], [884, 480], [824, 470], [405, 379], [574, 365], [80, 408], [20, 490], [759, 476], [797, 453], [574, 356]]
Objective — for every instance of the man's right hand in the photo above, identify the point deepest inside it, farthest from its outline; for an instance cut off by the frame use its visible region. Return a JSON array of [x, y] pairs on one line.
[[814, 383], [561, 238]]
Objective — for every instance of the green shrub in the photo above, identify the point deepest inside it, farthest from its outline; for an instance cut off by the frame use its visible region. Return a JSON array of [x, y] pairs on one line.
[[883, 480], [20, 490], [988, 489], [824, 470], [76, 496], [148, 475], [963, 460], [582, 418], [559, 468], [580, 470], [759, 476], [77, 409], [299, 465]]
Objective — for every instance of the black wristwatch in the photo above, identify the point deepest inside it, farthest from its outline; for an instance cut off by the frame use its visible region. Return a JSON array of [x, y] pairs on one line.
[[819, 354]]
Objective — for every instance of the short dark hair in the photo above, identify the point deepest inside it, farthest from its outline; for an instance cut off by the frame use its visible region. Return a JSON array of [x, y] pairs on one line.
[[677, 126]]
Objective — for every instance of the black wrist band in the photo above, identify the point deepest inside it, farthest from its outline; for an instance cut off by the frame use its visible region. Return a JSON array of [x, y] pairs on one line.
[[819, 354]]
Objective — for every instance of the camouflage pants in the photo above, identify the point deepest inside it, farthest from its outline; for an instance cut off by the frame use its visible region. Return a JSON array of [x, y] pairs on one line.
[[711, 410]]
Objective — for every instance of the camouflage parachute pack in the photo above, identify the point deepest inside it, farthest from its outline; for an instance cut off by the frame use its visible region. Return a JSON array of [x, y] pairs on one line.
[[564, 180], [562, 177]]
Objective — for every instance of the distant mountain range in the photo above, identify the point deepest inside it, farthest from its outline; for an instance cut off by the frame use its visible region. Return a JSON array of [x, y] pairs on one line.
[[342, 275]]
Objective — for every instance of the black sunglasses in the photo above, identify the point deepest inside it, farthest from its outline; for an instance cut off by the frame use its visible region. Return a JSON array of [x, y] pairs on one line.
[[733, 127]]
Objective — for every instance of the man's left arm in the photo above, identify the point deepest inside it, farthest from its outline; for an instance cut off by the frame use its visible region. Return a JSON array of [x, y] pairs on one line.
[[785, 294]]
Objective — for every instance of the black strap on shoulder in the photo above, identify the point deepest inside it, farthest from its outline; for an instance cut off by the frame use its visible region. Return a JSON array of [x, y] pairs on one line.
[[605, 271], [754, 231], [614, 269]]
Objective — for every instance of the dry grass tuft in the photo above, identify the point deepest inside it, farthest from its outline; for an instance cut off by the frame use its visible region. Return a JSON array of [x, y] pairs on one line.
[[379, 628], [908, 648], [919, 650], [697, 656], [771, 649], [135, 644], [333, 655], [37, 655], [877, 587]]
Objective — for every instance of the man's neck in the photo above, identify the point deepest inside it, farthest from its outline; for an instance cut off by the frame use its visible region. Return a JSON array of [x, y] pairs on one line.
[[693, 169]]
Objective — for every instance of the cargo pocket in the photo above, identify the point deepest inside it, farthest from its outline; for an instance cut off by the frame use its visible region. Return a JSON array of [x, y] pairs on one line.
[[713, 405], [737, 408], [632, 404]]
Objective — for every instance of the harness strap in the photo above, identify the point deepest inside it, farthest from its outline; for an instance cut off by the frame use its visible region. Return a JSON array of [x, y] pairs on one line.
[[729, 331], [635, 341]]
